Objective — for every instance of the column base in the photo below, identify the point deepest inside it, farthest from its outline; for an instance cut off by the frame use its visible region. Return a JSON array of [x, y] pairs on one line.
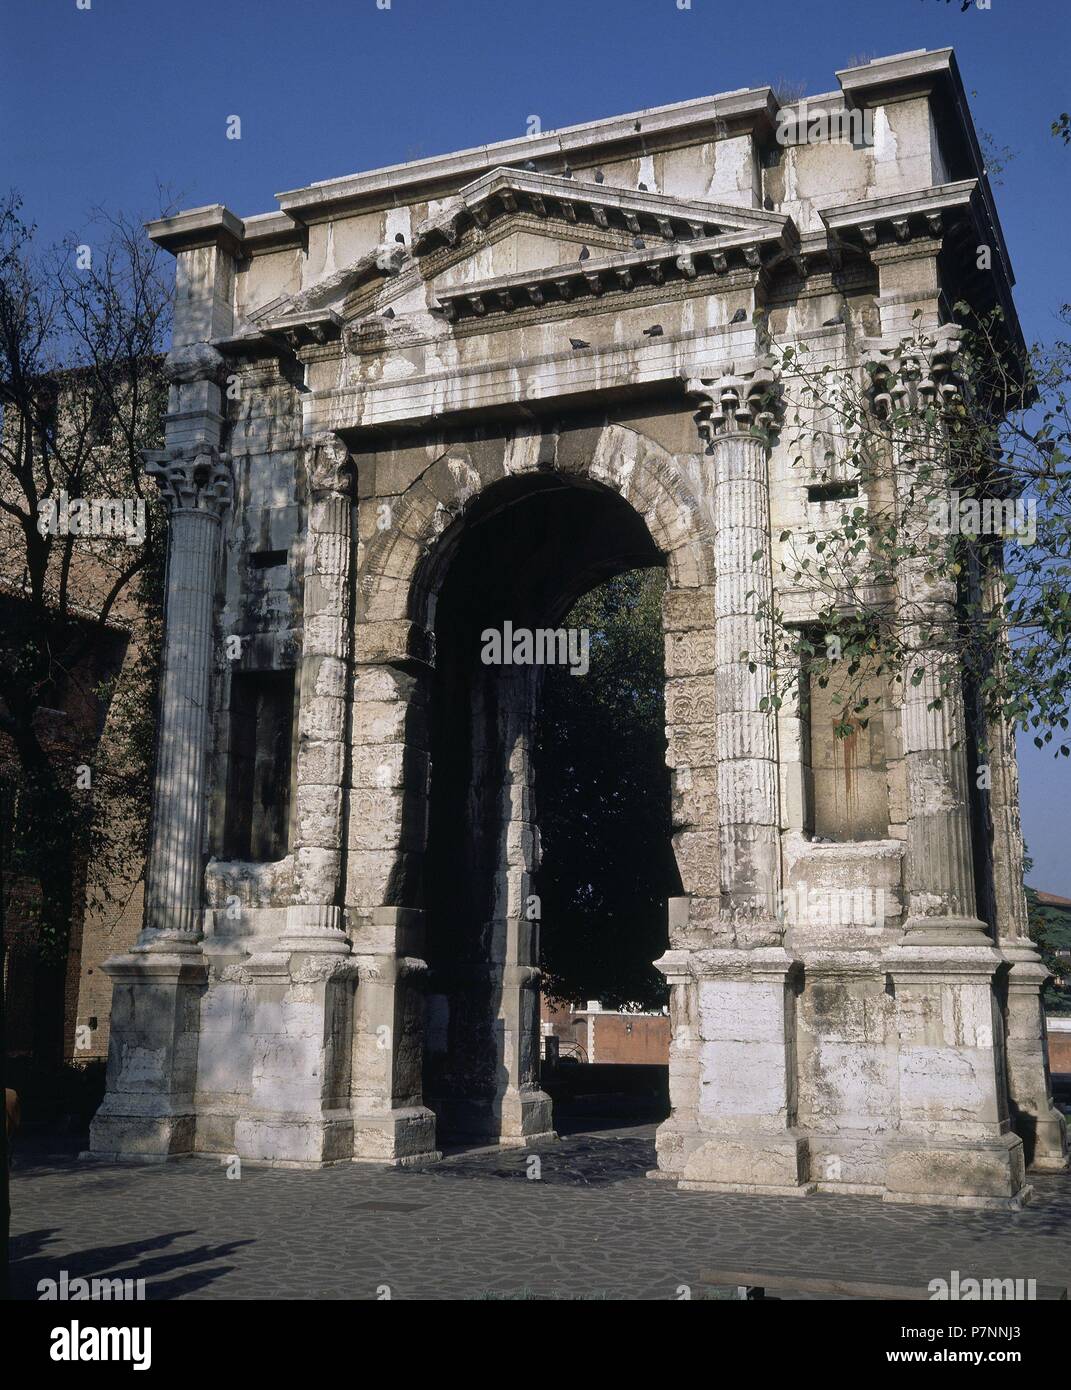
[[314, 928], [945, 931], [526, 1117], [513, 1120], [146, 1138], [1050, 1145], [674, 1143], [295, 1141], [297, 1112], [768, 1165], [989, 1175], [400, 1138], [148, 1110], [1036, 1119], [155, 941]]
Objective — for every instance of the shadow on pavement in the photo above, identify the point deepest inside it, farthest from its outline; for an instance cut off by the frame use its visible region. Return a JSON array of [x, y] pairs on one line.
[[149, 1259]]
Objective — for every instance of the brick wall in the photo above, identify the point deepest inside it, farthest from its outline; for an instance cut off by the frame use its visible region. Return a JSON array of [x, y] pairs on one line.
[[1059, 1047], [634, 1038]]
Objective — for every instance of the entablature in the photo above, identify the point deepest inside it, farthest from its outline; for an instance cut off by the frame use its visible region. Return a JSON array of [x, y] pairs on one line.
[[593, 277]]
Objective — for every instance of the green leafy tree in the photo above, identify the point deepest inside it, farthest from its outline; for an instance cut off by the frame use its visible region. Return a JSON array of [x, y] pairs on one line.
[[968, 492], [604, 809], [1050, 929]]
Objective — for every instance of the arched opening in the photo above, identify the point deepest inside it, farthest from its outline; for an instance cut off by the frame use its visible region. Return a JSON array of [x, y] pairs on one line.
[[607, 867], [525, 552]]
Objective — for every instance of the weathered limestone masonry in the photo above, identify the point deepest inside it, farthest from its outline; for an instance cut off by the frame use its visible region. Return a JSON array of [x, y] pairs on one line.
[[419, 402]]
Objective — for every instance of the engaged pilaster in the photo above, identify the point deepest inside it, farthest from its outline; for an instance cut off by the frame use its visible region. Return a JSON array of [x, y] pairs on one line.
[[913, 391], [314, 918], [736, 417], [953, 1140]]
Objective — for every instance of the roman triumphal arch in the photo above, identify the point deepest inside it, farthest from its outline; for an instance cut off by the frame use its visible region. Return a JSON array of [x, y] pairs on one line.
[[417, 403]]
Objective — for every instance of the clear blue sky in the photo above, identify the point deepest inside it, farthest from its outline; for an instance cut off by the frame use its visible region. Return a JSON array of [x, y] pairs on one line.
[[98, 106]]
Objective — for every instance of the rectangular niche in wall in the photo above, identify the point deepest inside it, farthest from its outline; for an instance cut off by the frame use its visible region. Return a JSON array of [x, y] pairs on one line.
[[258, 788], [849, 778]]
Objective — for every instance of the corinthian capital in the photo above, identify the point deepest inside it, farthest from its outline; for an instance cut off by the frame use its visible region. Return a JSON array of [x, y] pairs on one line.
[[328, 465], [746, 400], [191, 480], [913, 374]]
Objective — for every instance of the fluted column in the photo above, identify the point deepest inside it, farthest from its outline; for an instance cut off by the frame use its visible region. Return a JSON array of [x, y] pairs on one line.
[[736, 416], [196, 487], [742, 1006], [1009, 896], [914, 391], [954, 1138], [314, 918], [149, 1107]]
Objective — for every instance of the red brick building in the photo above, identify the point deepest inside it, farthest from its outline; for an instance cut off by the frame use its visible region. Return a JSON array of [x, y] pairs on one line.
[[595, 1034]]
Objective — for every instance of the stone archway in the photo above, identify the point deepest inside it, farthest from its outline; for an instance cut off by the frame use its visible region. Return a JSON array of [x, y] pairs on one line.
[[529, 547], [567, 509]]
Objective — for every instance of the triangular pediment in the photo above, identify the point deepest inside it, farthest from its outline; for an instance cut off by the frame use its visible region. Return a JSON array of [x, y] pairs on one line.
[[517, 245], [584, 205], [516, 239]]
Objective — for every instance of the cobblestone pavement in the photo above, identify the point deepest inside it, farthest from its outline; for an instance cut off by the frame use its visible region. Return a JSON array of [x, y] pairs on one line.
[[477, 1226]]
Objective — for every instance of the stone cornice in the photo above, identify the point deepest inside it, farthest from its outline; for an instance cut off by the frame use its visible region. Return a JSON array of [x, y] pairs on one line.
[[212, 225], [311, 326], [902, 217], [369, 335], [897, 77], [434, 263], [616, 137]]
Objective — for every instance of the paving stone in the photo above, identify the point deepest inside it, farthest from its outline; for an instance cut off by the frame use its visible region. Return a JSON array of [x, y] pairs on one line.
[[593, 1226]]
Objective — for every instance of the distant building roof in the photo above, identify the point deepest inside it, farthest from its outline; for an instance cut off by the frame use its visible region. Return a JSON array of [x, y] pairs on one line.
[[1052, 899]]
